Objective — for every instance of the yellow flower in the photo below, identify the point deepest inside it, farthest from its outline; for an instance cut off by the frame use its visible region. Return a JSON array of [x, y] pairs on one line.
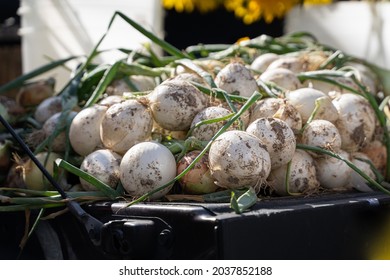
[[252, 10], [248, 10], [190, 5]]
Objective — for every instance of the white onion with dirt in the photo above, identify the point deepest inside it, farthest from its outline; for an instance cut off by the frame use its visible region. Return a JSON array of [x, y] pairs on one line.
[[278, 138], [205, 132], [238, 159], [102, 164], [175, 103], [357, 121], [145, 167], [265, 108], [277, 108], [235, 78], [302, 176], [84, 131], [322, 134], [126, 124]]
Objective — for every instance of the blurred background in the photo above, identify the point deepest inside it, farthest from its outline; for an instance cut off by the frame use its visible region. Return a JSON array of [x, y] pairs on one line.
[[34, 32]]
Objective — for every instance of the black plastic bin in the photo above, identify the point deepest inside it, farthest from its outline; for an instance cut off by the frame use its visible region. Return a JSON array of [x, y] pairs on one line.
[[337, 226]]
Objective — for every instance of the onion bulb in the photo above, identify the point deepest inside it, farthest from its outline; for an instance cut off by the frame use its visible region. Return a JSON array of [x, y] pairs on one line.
[[125, 124], [175, 103], [102, 164], [356, 122], [32, 175], [84, 131], [278, 138], [205, 132], [145, 167], [57, 121], [302, 177], [334, 173], [282, 77], [322, 134], [198, 179], [261, 62], [356, 181], [304, 99], [47, 108], [238, 159], [265, 108], [235, 78]]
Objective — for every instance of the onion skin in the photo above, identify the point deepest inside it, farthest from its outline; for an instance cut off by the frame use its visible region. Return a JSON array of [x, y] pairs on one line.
[[197, 180], [238, 159], [145, 167]]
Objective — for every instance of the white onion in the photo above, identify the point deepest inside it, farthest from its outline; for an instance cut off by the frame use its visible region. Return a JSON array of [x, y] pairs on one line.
[[265, 108], [111, 100], [125, 124], [304, 100], [277, 108], [102, 164], [84, 131], [175, 103], [48, 108], [238, 159], [322, 134], [356, 181], [356, 122], [206, 131], [145, 167], [278, 138], [236, 78], [56, 122], [261, 62], [282, 77], [290, 115], [333, 173], [302, 177]]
